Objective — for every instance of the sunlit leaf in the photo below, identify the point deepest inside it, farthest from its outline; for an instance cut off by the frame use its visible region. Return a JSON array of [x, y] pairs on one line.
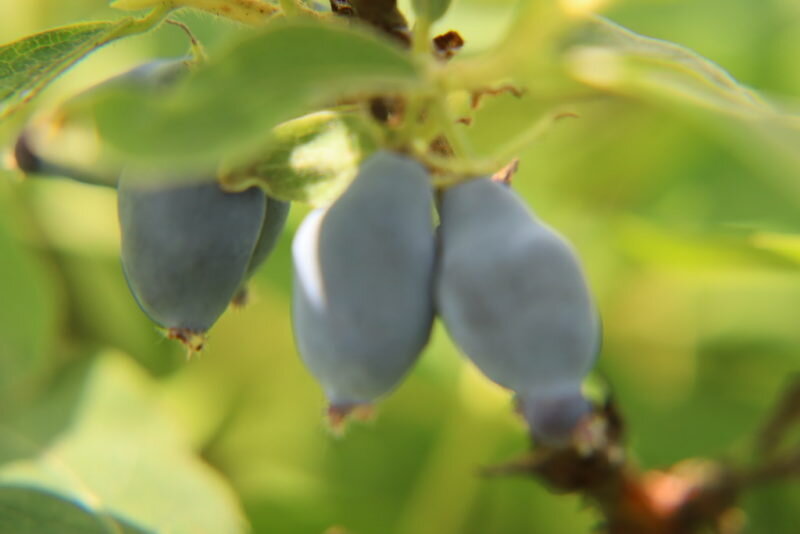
[[229, 106], [27, 66], [310, 159], [125, 457]]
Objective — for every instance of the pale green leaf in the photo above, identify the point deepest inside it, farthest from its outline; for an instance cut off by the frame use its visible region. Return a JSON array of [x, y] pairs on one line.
[[27, 66], [610, 57], [229, 106], [125, 457], [526, 51]]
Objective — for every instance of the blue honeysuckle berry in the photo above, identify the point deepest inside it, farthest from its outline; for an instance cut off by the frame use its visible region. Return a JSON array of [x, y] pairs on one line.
[[363, 270], [513, 297], [186, 249], [275, 214]]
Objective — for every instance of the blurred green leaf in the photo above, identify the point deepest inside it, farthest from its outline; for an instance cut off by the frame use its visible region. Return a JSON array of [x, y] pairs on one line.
[[526, 52], [25, 510], [27, 66], [125, 456], [229, 106], [784, 244], [431, 10], [28, 312], [661, 247], [608, 56], [611, 58], [67, 144]]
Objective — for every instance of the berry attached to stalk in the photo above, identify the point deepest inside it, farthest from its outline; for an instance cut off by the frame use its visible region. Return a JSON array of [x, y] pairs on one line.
[[363, 270], [186, 248], [513, 297]]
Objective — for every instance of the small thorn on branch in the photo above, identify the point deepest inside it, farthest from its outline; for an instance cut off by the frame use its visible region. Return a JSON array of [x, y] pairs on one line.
[[506, 174]]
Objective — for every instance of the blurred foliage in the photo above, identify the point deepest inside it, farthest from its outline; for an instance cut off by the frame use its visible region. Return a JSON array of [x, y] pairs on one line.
[[687, 224]]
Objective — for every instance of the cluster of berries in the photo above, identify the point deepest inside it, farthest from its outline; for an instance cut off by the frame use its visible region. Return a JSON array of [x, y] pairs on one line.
[[370, 274]]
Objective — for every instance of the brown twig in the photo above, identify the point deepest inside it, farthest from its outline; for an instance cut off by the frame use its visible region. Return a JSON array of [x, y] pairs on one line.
[[692, 496]]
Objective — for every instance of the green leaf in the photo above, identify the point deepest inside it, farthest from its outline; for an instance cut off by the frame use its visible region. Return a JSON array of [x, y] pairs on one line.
[[229, 106], [613, 59], [312, 159], [431, 10], [125, 457], [610, 57], [67, 143], [27, 66], [25, 510], [28, 309]]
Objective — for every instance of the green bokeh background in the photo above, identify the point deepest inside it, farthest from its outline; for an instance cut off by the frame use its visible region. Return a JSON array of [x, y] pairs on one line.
[[702, 323]]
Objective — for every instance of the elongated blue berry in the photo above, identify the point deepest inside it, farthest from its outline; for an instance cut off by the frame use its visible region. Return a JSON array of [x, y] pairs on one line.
[[513, 297], [186, 249], [275, 214], [362, 307]]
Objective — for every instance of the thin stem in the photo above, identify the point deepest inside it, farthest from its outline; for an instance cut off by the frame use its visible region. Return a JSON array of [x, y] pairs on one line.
[[421, 38], [198, 52], [464, 167], [416, 102], [458, 141], [144, 24]]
